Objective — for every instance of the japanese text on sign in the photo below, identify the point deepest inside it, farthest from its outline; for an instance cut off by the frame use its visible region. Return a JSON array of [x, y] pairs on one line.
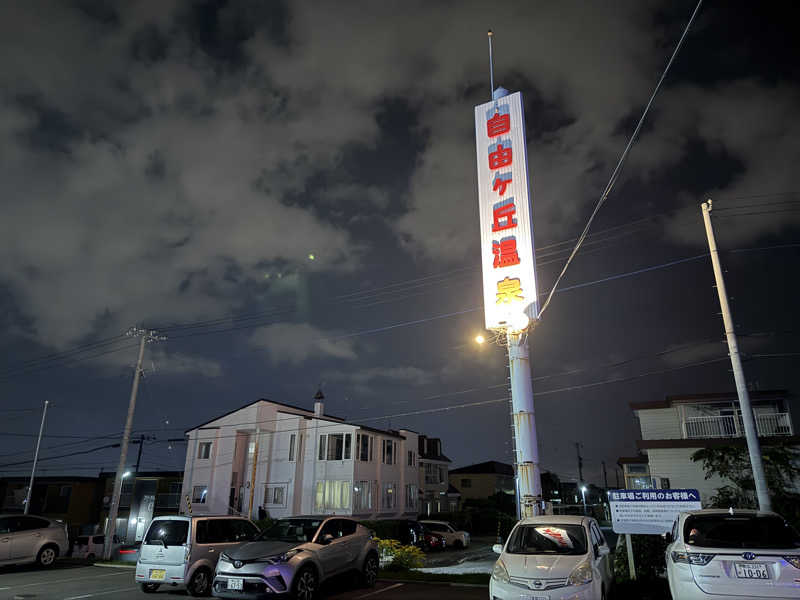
[[649, 511], [508, 258]]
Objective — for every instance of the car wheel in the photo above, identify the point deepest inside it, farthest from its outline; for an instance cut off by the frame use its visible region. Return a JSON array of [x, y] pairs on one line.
[[150, 588], [47, 556], [370, 573], [305, 584], [200, 583]]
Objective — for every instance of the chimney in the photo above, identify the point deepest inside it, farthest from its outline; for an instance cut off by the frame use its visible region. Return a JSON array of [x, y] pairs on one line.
[[318, 405]]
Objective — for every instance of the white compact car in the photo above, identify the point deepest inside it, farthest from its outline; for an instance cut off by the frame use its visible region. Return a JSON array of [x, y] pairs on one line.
[[553, 558], [453, 537], [732, 553]]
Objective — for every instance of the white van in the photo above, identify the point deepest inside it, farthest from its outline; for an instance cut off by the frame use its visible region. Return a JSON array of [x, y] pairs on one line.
[[184, 550]]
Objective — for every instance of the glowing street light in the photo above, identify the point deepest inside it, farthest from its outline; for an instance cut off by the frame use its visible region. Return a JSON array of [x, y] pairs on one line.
[[479, 339], [126, 474], [583, 495]]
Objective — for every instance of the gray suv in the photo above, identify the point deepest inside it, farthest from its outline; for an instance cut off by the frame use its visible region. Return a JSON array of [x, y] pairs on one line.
[[296, 555], [29, 539]]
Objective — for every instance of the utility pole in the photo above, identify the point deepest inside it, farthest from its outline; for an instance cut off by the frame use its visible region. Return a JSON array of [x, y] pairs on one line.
[[605, 475], [145, 337], [750, 431], [529, 477], [253, 471], [35, 459], [580, 461]]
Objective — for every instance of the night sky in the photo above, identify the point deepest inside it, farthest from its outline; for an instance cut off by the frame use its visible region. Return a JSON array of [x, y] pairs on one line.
[[288, 192]]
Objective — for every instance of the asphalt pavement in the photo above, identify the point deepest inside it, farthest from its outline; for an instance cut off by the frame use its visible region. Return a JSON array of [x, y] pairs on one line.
[[69, 581]]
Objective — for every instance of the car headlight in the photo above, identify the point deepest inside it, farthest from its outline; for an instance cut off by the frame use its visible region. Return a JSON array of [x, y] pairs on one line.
[[280, 558], [692, 558], [500, 573], [581, 574]]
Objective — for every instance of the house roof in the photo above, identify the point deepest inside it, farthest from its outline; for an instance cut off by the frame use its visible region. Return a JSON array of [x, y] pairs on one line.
[[489, 467], [230, 412], [390, 433], [670, 401], [451, 489]]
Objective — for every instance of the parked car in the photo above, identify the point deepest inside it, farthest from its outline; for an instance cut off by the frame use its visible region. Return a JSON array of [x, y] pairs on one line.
[[732, 553], [433, 541], [296, 555], [30, 539], [455, 538], [126, 552], [184, 550], [90, 547], [560, 556], [406, 531]]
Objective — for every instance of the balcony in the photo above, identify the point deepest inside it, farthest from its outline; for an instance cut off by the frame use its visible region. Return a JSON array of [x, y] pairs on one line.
[[724, 426]]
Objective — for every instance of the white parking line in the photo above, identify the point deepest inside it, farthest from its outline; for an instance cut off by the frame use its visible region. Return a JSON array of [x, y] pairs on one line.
[[52, 581], [386, 589], [127, 589]]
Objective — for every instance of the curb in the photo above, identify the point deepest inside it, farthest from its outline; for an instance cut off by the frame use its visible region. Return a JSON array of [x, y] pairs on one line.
[[450, 583], [105, 566]]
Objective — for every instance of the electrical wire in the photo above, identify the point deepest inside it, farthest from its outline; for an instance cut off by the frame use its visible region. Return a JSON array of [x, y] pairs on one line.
[[620, 163]]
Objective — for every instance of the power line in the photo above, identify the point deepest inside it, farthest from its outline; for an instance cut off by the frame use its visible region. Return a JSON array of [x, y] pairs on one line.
[[620, 163]]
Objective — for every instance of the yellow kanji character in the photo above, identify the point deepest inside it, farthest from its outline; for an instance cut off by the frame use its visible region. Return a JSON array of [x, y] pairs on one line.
[[509, 290]]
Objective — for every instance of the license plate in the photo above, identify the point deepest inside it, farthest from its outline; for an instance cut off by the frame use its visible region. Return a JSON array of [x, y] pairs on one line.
[[751, 570], [158, 574], [528, 597], [236, 583]]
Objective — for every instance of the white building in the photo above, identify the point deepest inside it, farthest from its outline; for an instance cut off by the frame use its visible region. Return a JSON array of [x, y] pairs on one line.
[[673, 429], [294, 461]]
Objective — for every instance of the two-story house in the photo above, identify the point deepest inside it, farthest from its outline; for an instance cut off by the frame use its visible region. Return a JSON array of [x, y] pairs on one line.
[[433, 478], [291, 461], [674, 428]]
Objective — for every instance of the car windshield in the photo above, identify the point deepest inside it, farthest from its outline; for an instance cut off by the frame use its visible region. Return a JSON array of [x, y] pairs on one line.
[[739, 531], [170, 532], [291, 530], [547, 539]]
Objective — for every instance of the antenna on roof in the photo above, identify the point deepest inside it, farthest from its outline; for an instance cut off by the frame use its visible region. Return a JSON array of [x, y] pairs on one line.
[[491, 66]]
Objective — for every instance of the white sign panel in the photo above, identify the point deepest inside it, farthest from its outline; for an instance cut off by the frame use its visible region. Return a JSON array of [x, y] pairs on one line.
[[649, 511], [507, 252]]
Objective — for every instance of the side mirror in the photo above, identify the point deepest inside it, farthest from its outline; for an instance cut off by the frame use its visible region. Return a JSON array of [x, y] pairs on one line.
[[497, 548], [667, 537], [327, 539]]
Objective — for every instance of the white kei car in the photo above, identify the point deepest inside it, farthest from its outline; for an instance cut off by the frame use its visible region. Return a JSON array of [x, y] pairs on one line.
[[553, 557], [453, 537], [727, 554]]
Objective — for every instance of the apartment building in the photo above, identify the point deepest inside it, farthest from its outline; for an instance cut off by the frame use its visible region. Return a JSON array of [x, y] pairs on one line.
[[674, 428], [289, 461], [433, 478]]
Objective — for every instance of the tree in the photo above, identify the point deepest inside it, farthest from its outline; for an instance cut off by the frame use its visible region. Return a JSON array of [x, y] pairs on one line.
[[732, 463]]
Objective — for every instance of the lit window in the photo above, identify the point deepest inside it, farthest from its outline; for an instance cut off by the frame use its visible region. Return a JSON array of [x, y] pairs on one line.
[[204, 450]]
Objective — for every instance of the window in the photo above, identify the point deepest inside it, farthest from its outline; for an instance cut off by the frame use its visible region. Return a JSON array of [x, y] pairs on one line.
[[547, 539], [251, 448], [759, 532], [24, 523], [219, 531], [243, 530], [442, 474], [388, 452], [411, 496], [199, 494], [466, 483], [332, 495], [291, 446], [665, 483], [364, 447], [323, 440], [204, 450], [411, 458], [275, 495], [364, 495], [335, 446], [172, 532], [388, 499]]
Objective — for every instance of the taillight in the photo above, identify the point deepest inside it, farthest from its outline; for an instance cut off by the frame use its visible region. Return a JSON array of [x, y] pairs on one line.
[[127, 551], [692, 558]]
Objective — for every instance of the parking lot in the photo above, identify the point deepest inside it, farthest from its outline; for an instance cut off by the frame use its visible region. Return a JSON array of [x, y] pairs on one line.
[[75, 582]]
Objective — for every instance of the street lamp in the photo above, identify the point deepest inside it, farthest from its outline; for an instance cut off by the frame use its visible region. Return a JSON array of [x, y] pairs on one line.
[[583, 496], [479, 339], [126, 474]]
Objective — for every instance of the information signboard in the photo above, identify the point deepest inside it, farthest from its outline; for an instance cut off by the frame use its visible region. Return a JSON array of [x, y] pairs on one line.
[[649, 511]]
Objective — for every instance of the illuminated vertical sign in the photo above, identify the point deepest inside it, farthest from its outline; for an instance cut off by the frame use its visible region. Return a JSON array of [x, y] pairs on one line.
[[507, 252]]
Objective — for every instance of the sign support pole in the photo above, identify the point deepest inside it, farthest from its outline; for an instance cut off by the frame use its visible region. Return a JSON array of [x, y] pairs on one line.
[[631, 566], [529, 480]]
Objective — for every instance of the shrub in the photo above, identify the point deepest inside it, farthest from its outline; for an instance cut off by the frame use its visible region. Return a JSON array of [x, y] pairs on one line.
[[648, 551], [394, 556], [263, 524]]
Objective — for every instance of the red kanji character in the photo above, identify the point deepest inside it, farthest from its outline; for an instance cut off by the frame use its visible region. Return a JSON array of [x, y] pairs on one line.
[[505, 253], [500, 184], [500, 157], [504, 216], [508, 290], [498, 125]]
